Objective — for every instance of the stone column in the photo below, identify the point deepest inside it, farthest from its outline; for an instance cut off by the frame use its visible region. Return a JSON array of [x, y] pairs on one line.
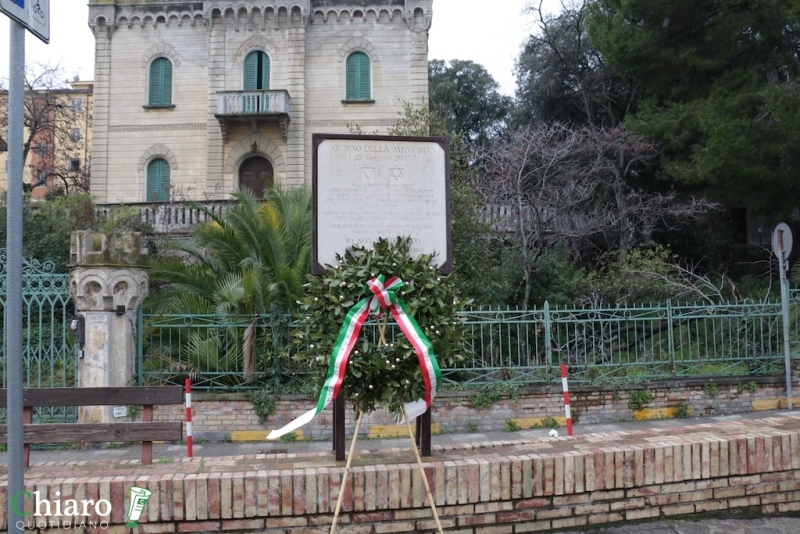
[[108, 282]]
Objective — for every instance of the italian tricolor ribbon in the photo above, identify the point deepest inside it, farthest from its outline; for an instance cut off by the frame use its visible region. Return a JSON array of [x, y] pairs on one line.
[[384, 296]]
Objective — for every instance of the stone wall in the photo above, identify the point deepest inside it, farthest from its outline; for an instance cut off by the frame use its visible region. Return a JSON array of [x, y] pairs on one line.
[[231, 416]]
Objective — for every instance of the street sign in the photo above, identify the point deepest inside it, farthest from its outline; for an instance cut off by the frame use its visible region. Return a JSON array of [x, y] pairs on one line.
[[782, 240], [33, 14]]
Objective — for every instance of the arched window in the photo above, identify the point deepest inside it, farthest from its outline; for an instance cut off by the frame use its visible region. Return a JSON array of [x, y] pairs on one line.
[[357, 77], [256, 71], [158, 181], [160, 82]]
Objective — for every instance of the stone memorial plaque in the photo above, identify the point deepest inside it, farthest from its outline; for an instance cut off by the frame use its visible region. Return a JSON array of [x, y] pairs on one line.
[[367, 187]]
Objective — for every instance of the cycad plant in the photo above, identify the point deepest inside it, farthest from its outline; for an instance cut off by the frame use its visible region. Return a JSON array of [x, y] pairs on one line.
[[247, 262]]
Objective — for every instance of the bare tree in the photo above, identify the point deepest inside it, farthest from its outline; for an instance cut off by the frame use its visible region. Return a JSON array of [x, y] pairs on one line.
[[622, 155], [553, 183], [540, 187], [57, 121]]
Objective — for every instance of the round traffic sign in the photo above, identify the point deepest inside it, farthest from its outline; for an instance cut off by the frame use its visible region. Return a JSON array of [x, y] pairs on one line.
[[782, 240]]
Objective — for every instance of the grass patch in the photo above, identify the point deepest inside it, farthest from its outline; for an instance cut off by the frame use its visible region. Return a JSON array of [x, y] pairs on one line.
[[550, 422], [511, 426], [750, 387], [120, 444], [639, 398], [683, 410], [291, 437]]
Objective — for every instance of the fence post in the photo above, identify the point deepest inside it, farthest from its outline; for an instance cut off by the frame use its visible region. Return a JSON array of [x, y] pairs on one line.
[[276, 325], [189, 443], [139, 347], [548, 347], [670, 338]]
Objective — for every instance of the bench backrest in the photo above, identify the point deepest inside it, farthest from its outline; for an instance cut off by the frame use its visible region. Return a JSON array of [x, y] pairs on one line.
[[156, 396]]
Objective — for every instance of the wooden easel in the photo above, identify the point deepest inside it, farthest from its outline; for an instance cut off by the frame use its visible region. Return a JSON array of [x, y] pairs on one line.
[[340, 419]]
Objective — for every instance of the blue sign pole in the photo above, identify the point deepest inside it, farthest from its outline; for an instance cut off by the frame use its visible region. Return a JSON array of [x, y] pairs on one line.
[[16, 101]]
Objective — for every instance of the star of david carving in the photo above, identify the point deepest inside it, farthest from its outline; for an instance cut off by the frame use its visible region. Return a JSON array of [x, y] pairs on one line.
[[396, 172]]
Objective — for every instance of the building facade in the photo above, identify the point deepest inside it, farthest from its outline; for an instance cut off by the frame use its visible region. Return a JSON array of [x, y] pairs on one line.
[[57, 138], [195, 99]]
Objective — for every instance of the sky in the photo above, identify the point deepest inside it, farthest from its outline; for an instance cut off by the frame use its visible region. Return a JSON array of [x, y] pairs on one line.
[[462, 29]]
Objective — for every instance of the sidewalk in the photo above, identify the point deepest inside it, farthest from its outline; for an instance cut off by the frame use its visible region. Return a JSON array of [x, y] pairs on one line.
[[761, 525], [175, 452]]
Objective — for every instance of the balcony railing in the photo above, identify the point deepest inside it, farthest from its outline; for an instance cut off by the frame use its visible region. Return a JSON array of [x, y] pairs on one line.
[[169, 218], [253, 107], [253, 103]]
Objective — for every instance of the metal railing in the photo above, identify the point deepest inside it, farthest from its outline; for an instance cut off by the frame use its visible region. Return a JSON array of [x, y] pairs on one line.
[[601, 346], [49, 358]]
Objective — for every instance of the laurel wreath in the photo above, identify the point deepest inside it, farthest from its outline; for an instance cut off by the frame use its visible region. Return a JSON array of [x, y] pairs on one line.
[[380, 374]]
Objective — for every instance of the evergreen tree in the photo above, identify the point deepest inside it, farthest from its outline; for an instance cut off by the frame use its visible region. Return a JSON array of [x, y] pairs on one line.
[[720, 78], [466, 96]]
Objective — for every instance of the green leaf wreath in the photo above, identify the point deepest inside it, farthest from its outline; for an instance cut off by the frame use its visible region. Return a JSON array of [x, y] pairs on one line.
[[385, 376]]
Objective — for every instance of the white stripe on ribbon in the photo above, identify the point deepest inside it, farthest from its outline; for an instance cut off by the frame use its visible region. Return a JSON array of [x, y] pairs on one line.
[[294, 425]]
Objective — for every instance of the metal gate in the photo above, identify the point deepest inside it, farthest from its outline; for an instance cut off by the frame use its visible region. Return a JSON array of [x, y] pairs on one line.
[[48, 352]]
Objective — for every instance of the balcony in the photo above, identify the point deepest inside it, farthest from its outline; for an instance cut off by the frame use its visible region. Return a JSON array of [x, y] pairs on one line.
[[166, 218], [253, 107]]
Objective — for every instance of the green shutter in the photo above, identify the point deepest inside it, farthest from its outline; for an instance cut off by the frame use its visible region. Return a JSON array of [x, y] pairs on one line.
[[357, 77], [166, 86], [364, 78], [155, 82], [160, 82], [250, 71], [158, 181], [351, 75]]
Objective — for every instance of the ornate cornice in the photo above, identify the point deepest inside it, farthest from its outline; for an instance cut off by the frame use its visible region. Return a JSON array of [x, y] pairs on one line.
[[281, 13], [330, 14]]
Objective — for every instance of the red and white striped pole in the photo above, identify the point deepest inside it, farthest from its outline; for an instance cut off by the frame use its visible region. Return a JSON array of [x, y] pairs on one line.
[[566, 398], [189, 451]]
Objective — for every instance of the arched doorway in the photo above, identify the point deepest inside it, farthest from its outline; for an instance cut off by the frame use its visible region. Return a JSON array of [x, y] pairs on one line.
[[256, 174]]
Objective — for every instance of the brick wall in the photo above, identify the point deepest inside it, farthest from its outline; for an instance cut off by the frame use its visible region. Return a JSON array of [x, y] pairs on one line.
[[516, 486], [218, 416]]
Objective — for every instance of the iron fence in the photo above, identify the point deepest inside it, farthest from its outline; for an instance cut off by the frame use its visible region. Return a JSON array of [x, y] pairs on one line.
[[601, 346], [48, 351]]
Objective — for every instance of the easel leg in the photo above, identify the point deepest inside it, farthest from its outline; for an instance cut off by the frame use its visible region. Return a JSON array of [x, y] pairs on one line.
[[344, 476], [422, 472], [338, 429]]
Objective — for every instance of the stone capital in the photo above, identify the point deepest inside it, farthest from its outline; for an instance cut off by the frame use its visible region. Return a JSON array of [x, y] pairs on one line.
[[108, 289], [108, 271]]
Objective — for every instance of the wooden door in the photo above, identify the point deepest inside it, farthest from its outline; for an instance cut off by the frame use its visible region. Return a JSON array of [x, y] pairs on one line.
[[256, 174]]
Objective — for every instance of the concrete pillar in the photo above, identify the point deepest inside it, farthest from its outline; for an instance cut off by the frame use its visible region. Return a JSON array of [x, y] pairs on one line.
[[108, 282]]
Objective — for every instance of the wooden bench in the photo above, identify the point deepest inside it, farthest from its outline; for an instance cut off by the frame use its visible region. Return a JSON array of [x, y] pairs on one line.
[[145, 431]]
